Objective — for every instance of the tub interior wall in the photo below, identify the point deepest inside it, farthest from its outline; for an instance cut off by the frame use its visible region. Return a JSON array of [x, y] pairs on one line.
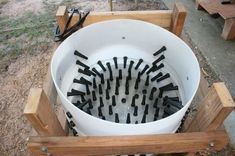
[[109, 40], [134, 45]]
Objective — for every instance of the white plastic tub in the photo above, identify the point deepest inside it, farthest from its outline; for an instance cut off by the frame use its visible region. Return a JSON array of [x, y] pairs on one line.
[[135, 39]]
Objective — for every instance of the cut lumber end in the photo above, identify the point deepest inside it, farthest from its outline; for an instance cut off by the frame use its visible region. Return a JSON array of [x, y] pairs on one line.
[[33, 101], [224, 95], [61, 11]]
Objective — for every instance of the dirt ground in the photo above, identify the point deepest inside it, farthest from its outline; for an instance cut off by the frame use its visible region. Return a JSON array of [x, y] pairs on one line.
[[26, 46]]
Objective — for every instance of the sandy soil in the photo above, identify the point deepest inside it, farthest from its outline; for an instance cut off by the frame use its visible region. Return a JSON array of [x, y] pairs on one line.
[[18, 7], [29, 70], [26, 72]]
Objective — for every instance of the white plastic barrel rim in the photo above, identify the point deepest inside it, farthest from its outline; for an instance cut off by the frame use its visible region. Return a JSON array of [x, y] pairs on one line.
[[124, 77]]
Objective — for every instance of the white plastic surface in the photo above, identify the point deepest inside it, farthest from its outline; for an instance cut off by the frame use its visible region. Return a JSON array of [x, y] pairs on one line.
[[135, 39]]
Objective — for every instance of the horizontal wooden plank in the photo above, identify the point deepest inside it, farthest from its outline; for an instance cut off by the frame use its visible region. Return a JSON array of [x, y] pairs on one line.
[[158, 17], [163, 143]]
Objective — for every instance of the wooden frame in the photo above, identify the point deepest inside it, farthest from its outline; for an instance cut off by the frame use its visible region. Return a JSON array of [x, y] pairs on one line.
[[203, 136], [173, 20]]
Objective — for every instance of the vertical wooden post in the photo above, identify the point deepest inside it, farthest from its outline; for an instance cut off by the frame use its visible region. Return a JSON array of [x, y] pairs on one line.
[[228, 32], [178, 18], [39, 112], [111, 5], [62, 17], [213, 110]]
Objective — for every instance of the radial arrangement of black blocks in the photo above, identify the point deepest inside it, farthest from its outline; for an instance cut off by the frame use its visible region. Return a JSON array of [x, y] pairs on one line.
[[125, 90]]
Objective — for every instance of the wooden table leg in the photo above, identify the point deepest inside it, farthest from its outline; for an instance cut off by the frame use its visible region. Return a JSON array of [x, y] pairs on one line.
[[229, 29]]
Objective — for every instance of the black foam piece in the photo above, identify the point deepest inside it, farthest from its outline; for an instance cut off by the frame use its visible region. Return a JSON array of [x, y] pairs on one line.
[[81, 105], [130, 65], [110, 110], [136, 111], [72, 124], [155, 103], [110, 71], [168, 87], [138, 77], [156, 114], [82, 64], [156, 76], [101, 65], [163, 48], [88, 111], [102, 78], [125, 61], [133, 101], [163, 77], [77, 53], [116, 118], [86, 72], [138, 64], [136, 84], [169, 110], [100, 89], [129, 75], [90, 104], [108, 85], [172, 98], [162, 57], [115, 62], [147, 81], [116, 90], [87, 90], [128, 119], [94, 83], [154, 89], [117, 82], [107, 94], [144, 70], [74, 132], [100, 111], [94, 98], [113, 100], [75, 93], [85, 81], [96, 72], [127, 86], [155, 68], [120, 74], [146, 110], [83, 98], [143, 119], [69, 115], [143, 100], [177, 104], [101, 102]]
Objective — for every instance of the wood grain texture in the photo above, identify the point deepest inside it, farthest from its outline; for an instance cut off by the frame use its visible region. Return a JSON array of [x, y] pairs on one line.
[[39, 112], [158, 17], [106, 145], [178, 18], [213, 109], [48, 84], [62, 17], [214, 6], [229, 29], [200, 95]]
